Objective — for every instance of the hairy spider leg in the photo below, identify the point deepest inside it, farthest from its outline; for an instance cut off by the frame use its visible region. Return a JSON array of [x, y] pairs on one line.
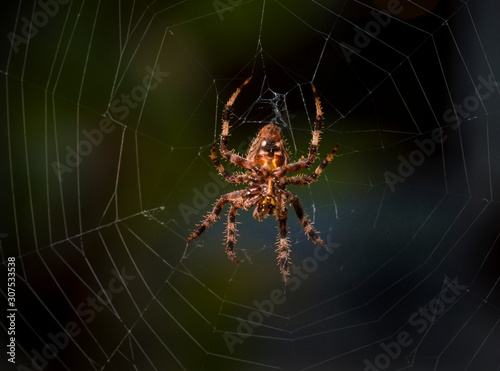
[[318, 125], [305, 222], [300, 180], [231, 233], [283, 243], [313, 149], [226, 116], [212, 217], [267, 160], [236, 178]]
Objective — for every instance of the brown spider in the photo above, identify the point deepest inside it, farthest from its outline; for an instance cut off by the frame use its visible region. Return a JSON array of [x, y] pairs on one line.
[[266, 165]]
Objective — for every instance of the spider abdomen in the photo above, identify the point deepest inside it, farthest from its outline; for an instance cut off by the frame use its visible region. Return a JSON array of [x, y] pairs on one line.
[[268, 148]]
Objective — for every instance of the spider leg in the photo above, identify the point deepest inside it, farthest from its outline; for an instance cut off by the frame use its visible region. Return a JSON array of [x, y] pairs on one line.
[[212, 217], [283, 249], [226, 116], [300, 180], [231, 233], [313, 149], [236, 178], [306, 223]]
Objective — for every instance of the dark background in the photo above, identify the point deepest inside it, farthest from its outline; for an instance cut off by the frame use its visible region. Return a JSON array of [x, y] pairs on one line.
[[135, 196]]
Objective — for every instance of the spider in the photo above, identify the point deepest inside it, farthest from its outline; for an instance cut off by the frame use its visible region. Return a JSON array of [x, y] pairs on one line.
[[266, 165]]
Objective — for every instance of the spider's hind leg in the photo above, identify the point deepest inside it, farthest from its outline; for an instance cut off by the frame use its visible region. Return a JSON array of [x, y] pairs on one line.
[[306, 223], [231, 233], [283, 249], [212, 217]]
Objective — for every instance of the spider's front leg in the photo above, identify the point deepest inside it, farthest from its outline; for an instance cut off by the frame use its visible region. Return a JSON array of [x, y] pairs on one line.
[[301, 180], [283, 243], [313, 149], [226, 116], [235, 178]]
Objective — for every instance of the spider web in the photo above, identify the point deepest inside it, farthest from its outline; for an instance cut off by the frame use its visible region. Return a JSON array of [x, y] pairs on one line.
[[110, 110]]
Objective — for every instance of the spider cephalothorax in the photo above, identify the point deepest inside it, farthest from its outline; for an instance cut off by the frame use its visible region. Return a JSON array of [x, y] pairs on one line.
[[266, 164]]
